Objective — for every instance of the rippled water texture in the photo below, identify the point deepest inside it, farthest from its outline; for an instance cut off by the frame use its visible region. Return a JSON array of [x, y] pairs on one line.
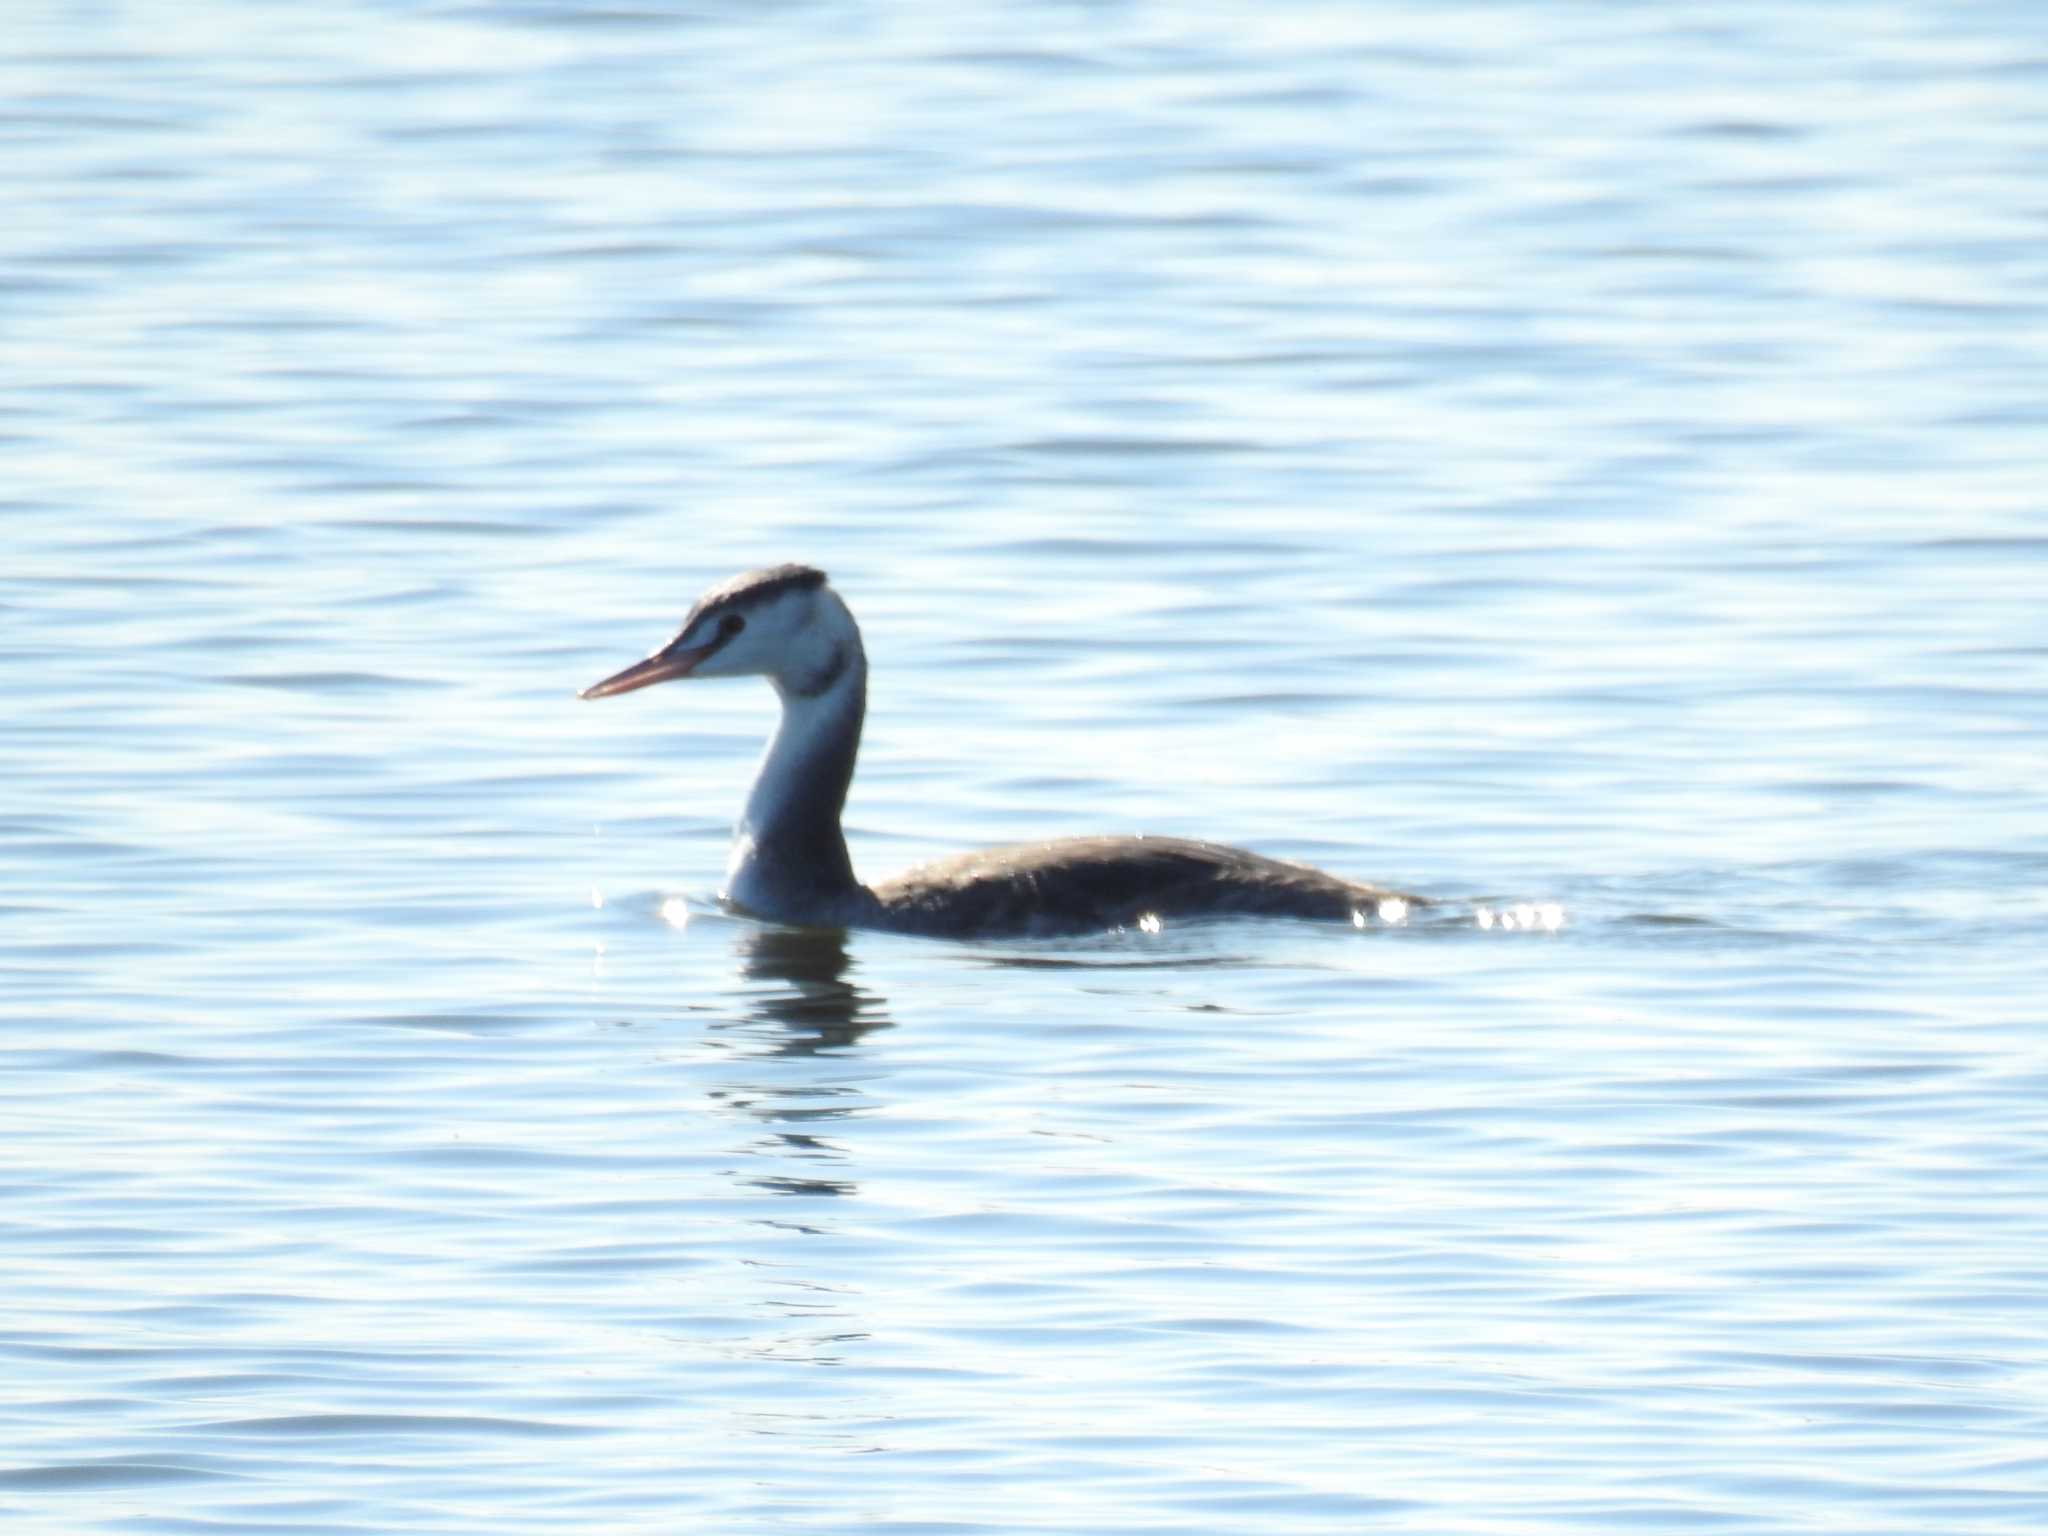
[[1575, 457]]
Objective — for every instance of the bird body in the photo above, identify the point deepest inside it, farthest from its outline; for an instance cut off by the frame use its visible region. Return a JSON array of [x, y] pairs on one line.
[[789, 860]]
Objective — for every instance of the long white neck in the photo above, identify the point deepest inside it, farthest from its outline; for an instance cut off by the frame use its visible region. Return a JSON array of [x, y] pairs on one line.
[[789, 860]]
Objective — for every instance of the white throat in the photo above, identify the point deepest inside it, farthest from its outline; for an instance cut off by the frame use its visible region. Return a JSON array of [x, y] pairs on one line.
[[789, 859]]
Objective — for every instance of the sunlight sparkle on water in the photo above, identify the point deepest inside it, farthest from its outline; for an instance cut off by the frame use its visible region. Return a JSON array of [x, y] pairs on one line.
[[1391, 910], [1523, 915]]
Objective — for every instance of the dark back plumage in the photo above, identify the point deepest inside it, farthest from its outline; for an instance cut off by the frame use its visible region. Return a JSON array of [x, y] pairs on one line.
[[1074, 885]]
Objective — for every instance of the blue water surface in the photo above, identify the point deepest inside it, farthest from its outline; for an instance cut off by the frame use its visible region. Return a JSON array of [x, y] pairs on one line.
[[1582, 462]]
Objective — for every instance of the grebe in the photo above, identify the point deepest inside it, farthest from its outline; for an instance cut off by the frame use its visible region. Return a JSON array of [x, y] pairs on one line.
[[789, 861]]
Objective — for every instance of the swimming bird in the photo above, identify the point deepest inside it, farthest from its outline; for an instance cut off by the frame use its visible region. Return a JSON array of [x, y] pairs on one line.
[[789, 861]]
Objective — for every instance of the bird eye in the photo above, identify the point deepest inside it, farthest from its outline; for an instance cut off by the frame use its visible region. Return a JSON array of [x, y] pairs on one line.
[[730, 625]]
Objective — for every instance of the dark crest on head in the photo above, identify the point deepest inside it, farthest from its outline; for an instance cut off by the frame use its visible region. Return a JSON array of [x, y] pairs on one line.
[[761, 586]]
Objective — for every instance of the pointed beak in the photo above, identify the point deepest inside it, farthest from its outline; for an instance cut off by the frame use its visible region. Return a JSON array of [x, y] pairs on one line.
[[668, 662]]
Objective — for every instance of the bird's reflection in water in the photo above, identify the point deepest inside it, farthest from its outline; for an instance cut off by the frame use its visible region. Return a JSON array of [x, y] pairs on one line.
[[800, 1004], [799, 985]]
